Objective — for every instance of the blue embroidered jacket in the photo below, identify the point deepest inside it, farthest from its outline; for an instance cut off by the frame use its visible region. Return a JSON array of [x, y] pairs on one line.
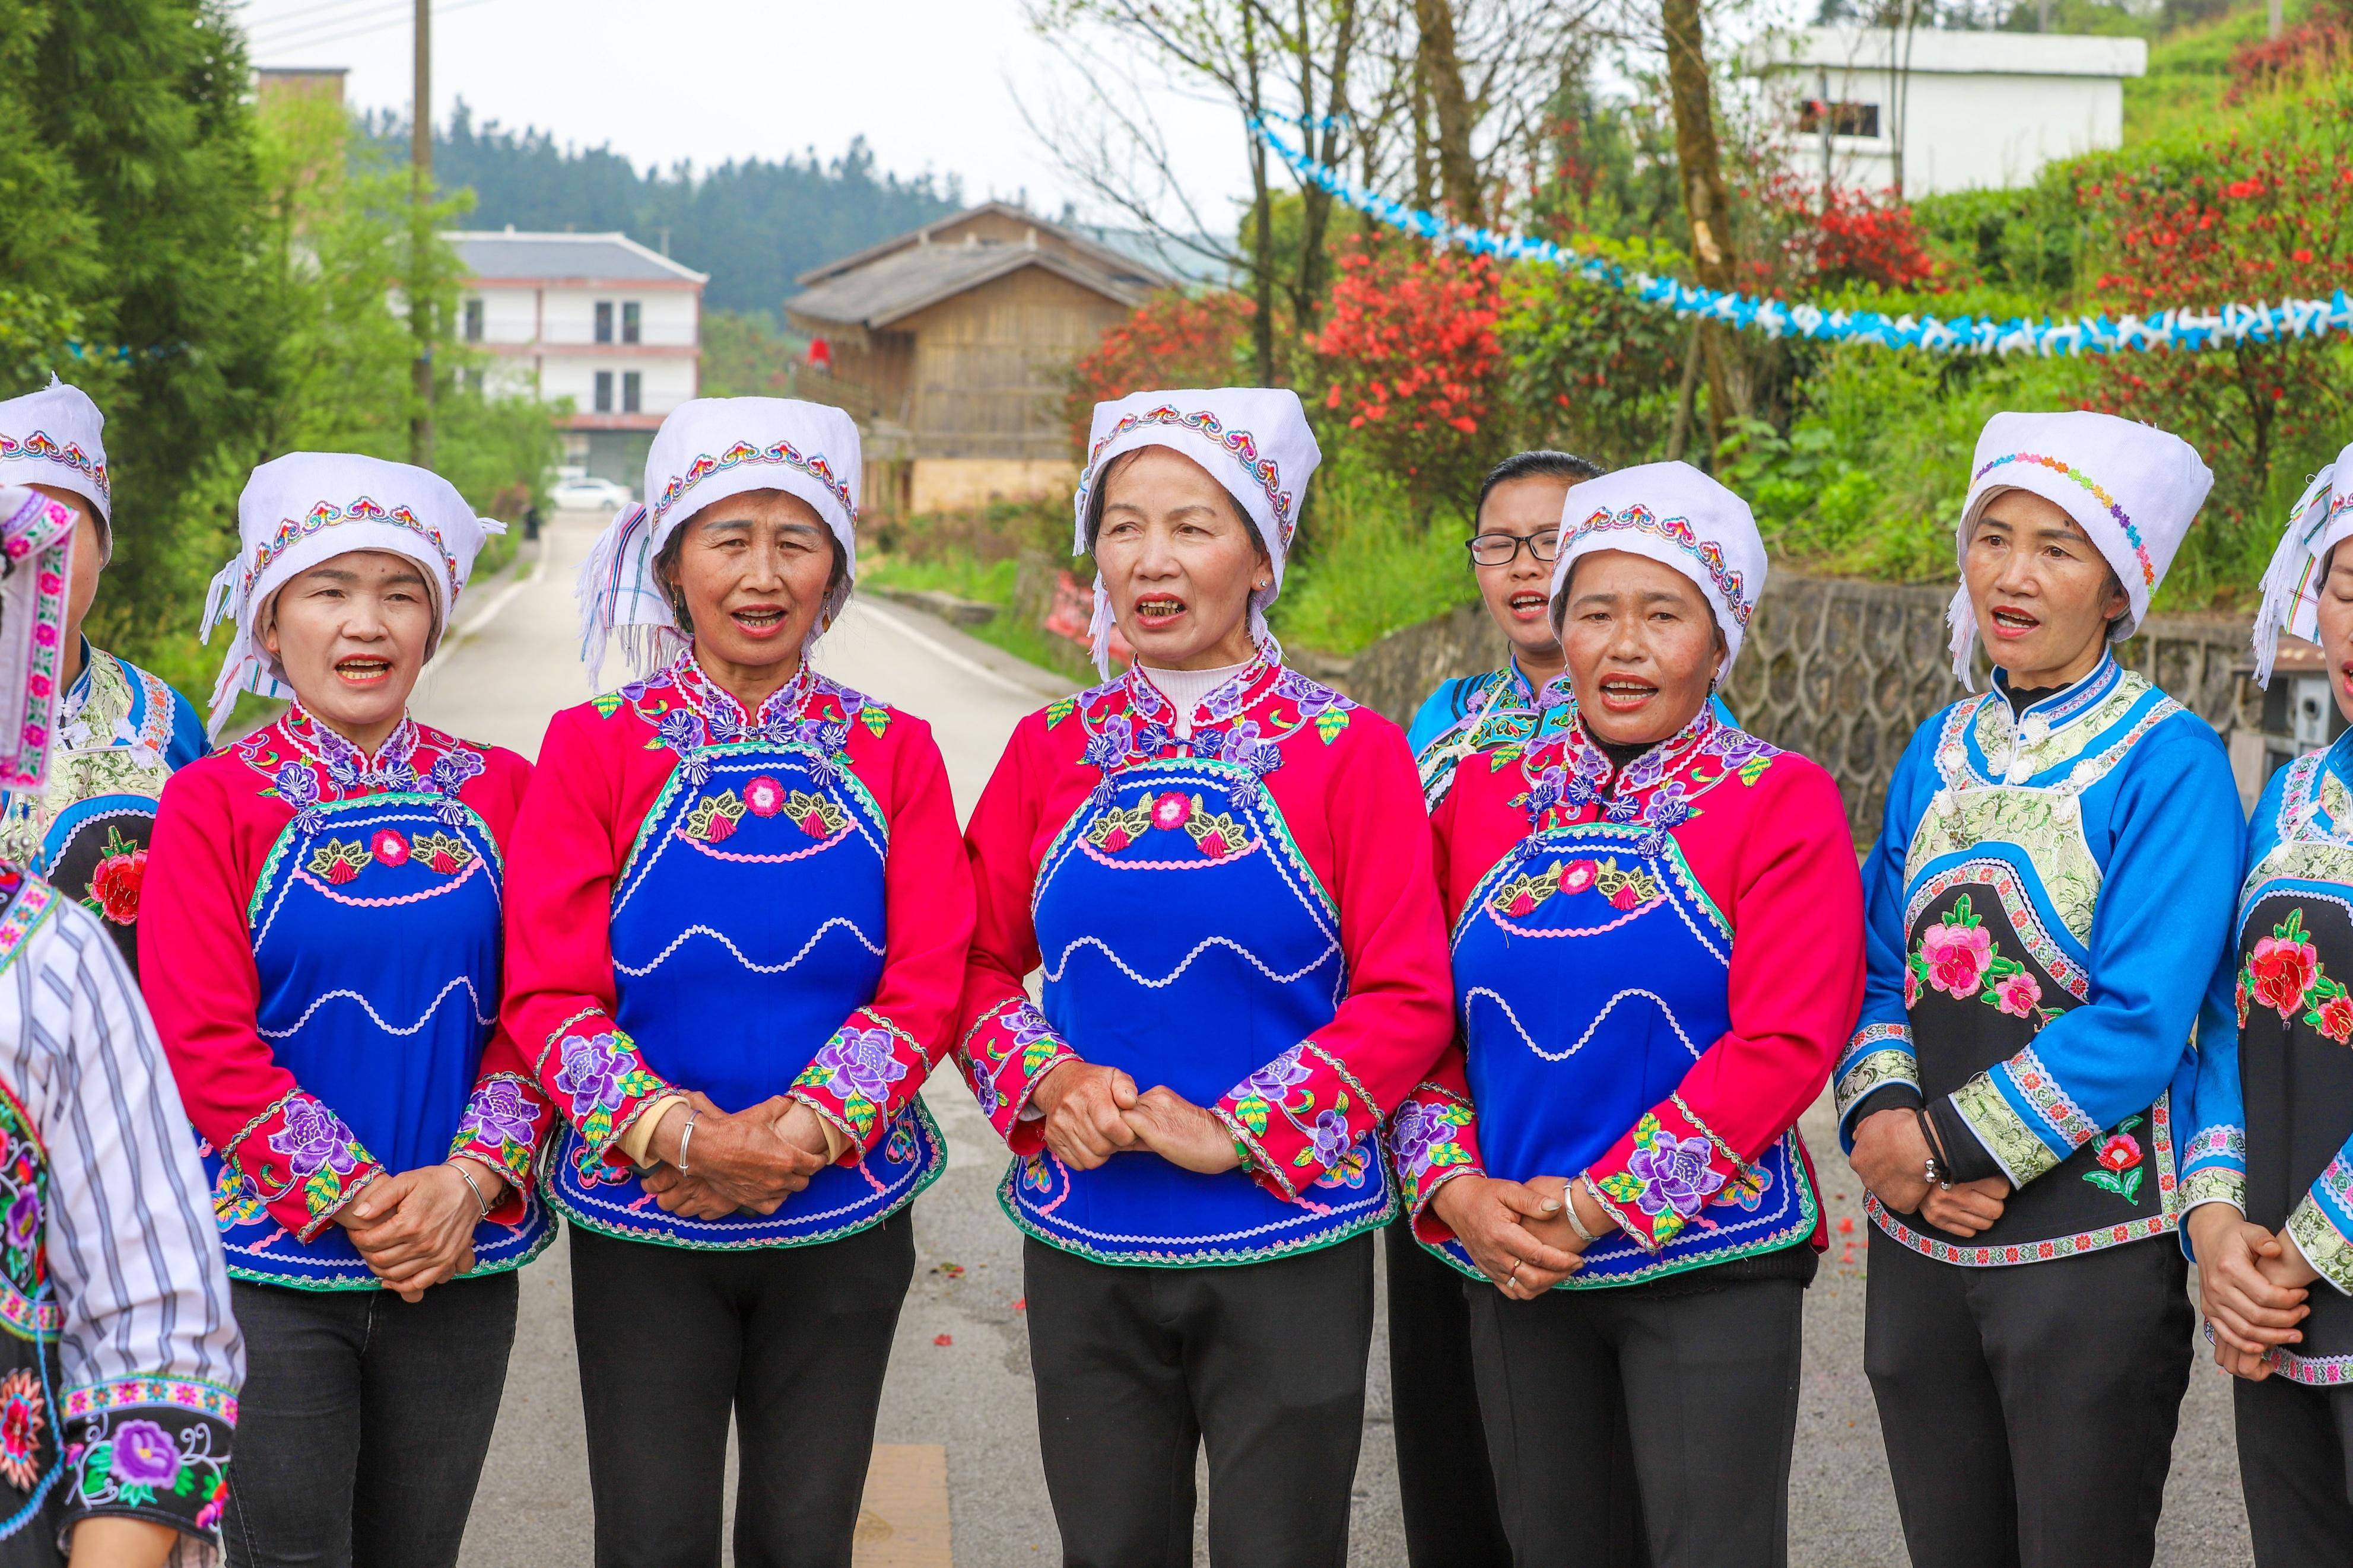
[[2045, 900]]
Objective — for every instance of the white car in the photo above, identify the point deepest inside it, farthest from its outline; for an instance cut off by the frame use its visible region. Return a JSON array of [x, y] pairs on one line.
[[589, 495]]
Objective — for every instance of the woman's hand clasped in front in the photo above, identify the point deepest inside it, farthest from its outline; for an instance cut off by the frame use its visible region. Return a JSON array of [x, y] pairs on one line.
[[2243, 1289], [415, 1230], [1094, 1113], [746, 1162], [1491, 1219]]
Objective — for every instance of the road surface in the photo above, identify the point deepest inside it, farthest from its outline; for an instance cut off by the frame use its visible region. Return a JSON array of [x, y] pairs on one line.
[[960, 1371]]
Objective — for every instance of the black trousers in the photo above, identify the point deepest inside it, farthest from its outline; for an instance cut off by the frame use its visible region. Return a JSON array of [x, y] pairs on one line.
[[1137, 1368], [362, 1422], [1632, 1427], [2029, 1411], [2295, 1464], [792, 1341], [1443, 1477]]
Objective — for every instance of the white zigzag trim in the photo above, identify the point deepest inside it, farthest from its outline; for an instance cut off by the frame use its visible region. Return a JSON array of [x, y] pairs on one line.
[[815, 937], [424, 1018], [1063, 964], [1600, 1018]]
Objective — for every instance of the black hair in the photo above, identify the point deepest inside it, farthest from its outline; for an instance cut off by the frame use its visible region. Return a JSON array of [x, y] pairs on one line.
[[1530, 465], [1103, 488]]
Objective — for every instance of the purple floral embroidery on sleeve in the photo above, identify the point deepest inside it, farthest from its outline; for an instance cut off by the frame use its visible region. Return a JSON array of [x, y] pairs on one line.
[[1413, 1135], [857, 1062], [145, 1456], [1273, 1083], [313, 1139], [499, 1112], [1312, 697], [591, 1074], [1676, 1174], [1331, 1137], [1108, 747]]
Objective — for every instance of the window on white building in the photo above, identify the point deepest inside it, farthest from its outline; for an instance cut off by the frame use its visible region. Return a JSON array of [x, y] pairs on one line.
[[629, 321], [633, 388], [473, 321], [1843, 118], [604, 391], [604, 321]]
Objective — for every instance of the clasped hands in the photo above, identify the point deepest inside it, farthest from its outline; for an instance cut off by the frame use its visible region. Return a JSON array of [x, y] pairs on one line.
[[1891, 1158], [1094, 1112], [2252, 1286], [1518, 1232], [744, 1162], [415, 1230]]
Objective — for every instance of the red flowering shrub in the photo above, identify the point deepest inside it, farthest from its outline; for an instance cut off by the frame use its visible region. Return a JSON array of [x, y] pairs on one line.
[[2322, 41], [1410, 347], [2251, 221], [1171, 340], [1847, 237]]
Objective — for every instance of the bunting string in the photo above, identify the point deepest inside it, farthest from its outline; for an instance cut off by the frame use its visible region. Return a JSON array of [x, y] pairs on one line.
[[2188, 328]]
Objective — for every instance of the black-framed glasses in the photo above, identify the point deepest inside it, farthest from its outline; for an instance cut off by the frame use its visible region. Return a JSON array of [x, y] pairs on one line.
[[1502, 549]]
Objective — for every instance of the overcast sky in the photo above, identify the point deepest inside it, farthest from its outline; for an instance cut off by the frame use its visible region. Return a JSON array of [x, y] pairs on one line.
[[930, 84]]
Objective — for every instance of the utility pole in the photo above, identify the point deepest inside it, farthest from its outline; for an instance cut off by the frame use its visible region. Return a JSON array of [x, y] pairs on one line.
[[420, 293], [2278, 22]]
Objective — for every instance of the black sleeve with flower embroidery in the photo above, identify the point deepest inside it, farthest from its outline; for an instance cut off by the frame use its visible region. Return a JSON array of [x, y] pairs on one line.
[[149, 1448]]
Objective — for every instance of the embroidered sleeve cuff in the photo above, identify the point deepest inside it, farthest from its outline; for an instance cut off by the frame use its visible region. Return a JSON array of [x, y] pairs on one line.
[[2221, 1147], [2023, 1116], [1306, 1120], [150, 1449], [2320, 1238], [1878, 1058], [2213, 1186], [506, 1118], [1656, 1180], [1003, 1056], [1432, 1139], [599, 1079], [861, 1079], [303, 1162]]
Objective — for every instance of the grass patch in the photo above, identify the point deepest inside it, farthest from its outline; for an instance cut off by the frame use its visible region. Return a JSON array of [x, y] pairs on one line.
[[1367, 565], [987, 582]]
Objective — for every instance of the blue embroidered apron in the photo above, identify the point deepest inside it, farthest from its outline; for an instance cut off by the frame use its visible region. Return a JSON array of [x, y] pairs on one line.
[[376, 927], [1188, 942], [1590, 972], [748, 924]]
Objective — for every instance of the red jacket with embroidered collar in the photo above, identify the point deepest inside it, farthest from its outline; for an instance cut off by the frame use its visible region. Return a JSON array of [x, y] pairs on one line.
[[1345, 783], [1765, 838], [601, 770], [217, 823]]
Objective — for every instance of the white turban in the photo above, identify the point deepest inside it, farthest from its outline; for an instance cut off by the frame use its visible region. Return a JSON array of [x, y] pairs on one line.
[[52, 438], [708, 449], [1677, 516]]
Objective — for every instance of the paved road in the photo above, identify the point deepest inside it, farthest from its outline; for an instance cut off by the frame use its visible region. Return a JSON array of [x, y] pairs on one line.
[[514, 665]]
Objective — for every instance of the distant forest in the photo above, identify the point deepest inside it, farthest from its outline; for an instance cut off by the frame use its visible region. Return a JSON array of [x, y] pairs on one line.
[[751, 225]]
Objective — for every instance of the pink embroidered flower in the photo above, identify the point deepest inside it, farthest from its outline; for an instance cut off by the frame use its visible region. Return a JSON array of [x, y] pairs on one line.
[[52, 584], [721, 826], [2283, 969], [1524, 903], [47, 635], [2337, 1020], [1577, 876], [39, 686], [1625, 898], [341, 872], [1910, 988], [389, 847], [2239, 995], [116, 880], [1115, 838], [2120, 1153], [1213, 844], [764, 797], [1173, 811], [1956, 956], [2017, 994], [22, 1416]]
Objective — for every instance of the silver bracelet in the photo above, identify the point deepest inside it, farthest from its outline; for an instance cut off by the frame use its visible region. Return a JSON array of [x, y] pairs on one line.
[[686, 1138], [471, 1186], [1568, 1207]]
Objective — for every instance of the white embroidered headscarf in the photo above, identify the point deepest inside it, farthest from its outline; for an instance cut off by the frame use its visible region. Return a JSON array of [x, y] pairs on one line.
[[708, 449], [2133, 488], [2322, 520], [52, 438], [1254, 441], [308, 507], [1677, 516], [37, 537]]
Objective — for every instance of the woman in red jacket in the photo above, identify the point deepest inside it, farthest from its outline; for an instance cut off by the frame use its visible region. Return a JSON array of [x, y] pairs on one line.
[[321, 944], [1217, 863], [737, 939], [1657, 951]]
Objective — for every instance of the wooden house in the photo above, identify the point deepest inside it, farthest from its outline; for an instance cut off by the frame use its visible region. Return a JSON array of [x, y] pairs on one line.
[[952, 345]]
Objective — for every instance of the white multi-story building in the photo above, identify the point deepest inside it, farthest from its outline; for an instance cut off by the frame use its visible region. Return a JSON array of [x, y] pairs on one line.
[[596, 319], [1952, 110]]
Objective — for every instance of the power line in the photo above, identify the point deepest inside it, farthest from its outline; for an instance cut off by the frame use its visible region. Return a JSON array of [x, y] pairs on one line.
[[279, 33], [399, 19], [299, 16]]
